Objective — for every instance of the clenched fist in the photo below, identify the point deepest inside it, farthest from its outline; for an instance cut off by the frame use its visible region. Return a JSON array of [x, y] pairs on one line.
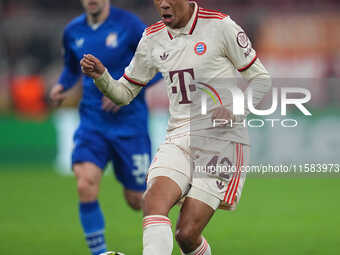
[[91, 66]]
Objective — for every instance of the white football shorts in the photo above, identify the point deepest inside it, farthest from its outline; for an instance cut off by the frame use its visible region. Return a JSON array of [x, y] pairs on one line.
[[207, 169]]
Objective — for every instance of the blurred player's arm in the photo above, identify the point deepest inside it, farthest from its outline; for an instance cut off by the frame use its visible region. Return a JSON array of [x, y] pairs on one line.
[[70, 74], [238, 49], [139, 72]]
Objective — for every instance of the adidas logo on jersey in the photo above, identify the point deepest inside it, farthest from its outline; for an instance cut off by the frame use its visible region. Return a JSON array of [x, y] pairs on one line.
[[164, 56]]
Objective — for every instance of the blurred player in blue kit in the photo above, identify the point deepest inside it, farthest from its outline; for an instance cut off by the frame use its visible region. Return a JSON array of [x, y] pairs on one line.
[[106, 131]]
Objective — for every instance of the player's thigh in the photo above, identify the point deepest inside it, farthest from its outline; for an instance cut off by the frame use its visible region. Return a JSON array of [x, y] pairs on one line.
[[173, 161], [169, 172], [131, 159], [193, 218], [134, 198]]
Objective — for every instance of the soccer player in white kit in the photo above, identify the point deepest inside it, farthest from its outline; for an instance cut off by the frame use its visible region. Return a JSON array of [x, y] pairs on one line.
[[191, 47]]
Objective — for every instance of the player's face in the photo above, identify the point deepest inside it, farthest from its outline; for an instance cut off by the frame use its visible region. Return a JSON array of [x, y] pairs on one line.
[[94, 7], [174, 13]]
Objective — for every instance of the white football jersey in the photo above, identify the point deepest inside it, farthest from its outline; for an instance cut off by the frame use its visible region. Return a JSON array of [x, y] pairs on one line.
[[198, 62]]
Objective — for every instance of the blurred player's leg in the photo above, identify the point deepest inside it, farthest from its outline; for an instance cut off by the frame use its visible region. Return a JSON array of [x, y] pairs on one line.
[[160, 197], [130, 164], [133, 198], [194, 216], [91, 217]]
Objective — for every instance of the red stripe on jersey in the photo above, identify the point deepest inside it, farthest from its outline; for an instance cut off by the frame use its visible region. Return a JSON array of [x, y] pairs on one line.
[[207, 11], [153, 25], [236, 174], [170, 35], [133, 82], [247, 66], [212, 14], [210, 17], [232, 179], [209, 14], [194, 24], [238, 179], [155, 30]]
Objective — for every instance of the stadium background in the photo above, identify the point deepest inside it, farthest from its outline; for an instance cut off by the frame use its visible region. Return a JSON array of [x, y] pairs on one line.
[[296, 40]]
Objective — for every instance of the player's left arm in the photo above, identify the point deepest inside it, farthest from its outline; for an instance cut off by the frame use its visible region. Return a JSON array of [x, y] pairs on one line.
[[238, 49]]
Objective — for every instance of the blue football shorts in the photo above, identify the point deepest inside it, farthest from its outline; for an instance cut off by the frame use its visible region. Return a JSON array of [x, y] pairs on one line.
[[130, 155]]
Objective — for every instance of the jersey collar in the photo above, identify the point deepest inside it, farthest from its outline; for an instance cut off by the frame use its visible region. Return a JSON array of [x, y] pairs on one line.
[[95, 27], [189, 28]]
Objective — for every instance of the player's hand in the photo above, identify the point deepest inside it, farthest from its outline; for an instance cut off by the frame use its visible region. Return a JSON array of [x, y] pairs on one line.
[[222, 113], [91, 66], [108, 105], [57, 95]]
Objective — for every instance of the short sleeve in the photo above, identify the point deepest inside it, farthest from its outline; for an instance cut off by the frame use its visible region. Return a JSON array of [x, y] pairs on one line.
[[238, 47], [141, 70]]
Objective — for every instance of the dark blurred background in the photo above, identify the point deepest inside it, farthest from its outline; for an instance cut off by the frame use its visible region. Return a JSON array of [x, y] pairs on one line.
[[293, 38]]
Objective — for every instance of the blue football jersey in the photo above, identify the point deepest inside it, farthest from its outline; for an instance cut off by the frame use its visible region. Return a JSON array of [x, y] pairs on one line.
[[114, 42]]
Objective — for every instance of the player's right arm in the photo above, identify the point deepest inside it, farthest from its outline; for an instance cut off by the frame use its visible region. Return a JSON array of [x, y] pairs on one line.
[[137, 75], [70, 73]]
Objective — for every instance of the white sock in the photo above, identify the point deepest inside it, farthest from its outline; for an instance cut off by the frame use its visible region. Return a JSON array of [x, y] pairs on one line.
[[203, 249], [157, 235]]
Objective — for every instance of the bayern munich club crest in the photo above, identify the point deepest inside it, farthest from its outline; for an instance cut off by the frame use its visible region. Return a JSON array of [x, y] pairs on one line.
[[200, 48]]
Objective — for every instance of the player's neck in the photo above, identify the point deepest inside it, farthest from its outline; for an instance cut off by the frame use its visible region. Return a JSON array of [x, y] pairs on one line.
[[100, 18], [187, 17]]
